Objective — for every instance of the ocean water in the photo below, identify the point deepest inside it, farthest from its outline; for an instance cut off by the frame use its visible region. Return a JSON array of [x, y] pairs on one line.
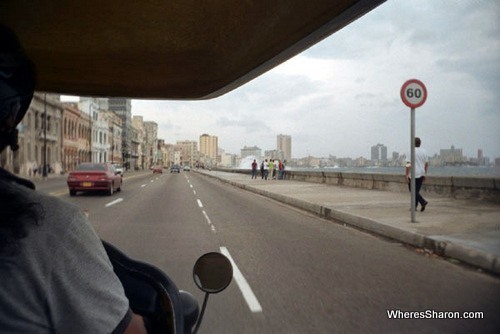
[[482, 171]]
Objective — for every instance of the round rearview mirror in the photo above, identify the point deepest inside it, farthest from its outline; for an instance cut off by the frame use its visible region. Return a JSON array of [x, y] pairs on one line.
[[212, 272]]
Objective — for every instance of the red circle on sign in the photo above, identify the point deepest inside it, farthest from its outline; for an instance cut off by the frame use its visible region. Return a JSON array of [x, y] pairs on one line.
[[413, 93]]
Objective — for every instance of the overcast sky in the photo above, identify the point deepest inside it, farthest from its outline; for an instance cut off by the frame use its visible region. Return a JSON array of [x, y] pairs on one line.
[[342, 96]]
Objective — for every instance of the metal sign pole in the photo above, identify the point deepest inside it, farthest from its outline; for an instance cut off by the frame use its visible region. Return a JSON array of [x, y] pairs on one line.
[[413, 93], [412, 175]]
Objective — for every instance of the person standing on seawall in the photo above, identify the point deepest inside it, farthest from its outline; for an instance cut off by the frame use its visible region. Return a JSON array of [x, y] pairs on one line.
[[254, 169], [421, 166], [266, 170]]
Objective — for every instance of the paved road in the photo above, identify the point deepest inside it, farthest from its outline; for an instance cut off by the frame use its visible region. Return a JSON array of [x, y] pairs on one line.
[[308, 275]]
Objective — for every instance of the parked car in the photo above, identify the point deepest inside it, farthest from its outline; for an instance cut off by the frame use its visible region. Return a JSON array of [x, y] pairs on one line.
[[186, 168], [175, 169], [94, 176], [157, 169]]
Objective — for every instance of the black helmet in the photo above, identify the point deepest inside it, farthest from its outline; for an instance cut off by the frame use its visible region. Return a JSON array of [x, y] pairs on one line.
[[17, 85]]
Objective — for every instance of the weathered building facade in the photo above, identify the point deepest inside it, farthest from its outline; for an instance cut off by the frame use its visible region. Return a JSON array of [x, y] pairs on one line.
[[39, 139]]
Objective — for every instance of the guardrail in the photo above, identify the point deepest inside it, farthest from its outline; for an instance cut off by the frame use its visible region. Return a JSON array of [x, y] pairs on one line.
[[459, 187]]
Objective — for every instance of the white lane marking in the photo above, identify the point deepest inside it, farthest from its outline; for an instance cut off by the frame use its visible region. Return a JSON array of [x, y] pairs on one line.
[[190, 186], [152, 181], [245, 288], [194, 191], [199, 203], [143, 185], [207, 218], [116, 201], [209, 222]]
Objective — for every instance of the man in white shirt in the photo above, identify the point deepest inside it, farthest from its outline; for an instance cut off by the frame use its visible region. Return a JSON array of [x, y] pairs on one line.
[[421, 166], [266, 169]]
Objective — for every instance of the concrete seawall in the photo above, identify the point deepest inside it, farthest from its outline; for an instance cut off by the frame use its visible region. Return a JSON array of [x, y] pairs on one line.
[[477, 188]]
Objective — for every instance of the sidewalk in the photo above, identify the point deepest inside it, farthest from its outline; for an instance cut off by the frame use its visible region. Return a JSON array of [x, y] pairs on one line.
[[464, 230]]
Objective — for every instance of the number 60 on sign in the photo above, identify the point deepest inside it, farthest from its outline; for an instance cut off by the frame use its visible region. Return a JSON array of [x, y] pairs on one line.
[[413, 93]]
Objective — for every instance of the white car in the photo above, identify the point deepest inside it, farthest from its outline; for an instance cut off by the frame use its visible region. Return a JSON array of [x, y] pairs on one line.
[[118, 168]]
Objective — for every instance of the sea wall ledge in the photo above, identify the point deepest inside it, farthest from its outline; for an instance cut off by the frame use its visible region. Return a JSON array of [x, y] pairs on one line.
[[459, 187]]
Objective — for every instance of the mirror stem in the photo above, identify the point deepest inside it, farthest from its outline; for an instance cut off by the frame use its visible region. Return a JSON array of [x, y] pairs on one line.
[[198, 323]]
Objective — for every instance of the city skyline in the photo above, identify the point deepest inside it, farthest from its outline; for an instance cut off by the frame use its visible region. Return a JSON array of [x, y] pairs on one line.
[[213, 140], [384, 151]]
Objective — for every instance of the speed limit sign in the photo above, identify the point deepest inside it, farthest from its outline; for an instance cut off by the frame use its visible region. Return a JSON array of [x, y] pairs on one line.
[[413, 93]]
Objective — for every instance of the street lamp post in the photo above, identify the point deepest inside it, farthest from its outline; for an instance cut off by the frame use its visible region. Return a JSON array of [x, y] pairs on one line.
[[90, 131], [44, 169]]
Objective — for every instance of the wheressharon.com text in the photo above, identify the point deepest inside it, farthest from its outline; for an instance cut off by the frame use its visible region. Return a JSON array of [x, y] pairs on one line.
[[432, 314]]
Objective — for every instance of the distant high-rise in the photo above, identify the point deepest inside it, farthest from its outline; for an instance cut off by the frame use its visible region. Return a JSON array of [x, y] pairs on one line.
[[379, 153], [284, 144], [251, 151], [209, 146], [123, 108], [452, 156], [480, 157], [188, 152]]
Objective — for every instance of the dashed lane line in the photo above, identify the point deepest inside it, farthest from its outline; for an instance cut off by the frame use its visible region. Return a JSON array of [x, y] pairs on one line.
[[58, 193], [245, 288], [116, 201], [207, 218]]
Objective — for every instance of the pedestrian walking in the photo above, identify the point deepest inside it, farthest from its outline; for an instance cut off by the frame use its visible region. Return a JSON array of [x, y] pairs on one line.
[[262, 170], [421, 166]]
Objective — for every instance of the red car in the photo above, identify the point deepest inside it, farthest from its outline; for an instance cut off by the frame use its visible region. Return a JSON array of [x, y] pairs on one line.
[[157, 169], [94, 176]]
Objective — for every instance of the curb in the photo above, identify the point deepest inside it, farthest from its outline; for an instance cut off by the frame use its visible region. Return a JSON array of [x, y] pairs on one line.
[[436, 244]]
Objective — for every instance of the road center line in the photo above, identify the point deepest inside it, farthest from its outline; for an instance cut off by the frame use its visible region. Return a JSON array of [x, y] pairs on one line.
[[245, 288], [207, 218], [116, 201], [199, 203], [58, 193], [143, 185]]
